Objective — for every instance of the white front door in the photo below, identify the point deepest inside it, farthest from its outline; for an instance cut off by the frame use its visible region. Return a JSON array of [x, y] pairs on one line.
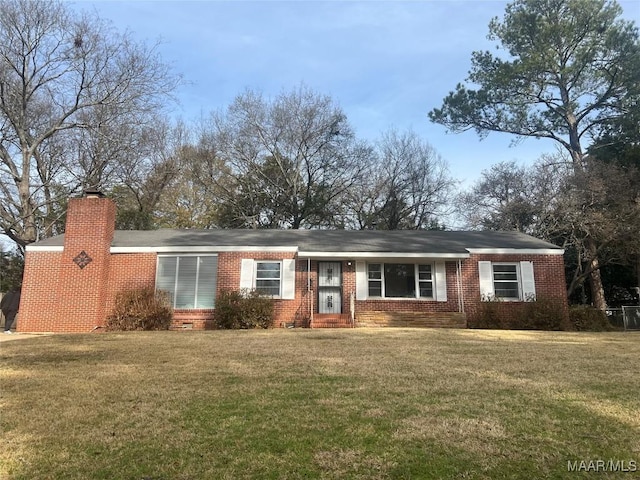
[[329, 287]]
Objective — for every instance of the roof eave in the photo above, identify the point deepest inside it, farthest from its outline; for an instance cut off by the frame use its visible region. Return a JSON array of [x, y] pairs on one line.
[[376, 254], [516, 251]]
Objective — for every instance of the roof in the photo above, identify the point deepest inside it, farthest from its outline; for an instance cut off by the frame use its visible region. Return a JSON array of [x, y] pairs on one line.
[[318, 242]]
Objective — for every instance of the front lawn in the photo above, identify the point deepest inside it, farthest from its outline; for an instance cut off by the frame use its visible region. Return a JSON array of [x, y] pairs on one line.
[[288, 404]]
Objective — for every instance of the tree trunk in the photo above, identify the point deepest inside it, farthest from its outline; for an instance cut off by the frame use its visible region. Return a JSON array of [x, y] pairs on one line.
[[595, 280]]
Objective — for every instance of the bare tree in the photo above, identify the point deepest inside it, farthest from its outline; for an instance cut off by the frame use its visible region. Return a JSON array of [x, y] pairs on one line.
[[196, 196], [150, 171], [407, 186], [502, 199], [65, 79], [291, 158]]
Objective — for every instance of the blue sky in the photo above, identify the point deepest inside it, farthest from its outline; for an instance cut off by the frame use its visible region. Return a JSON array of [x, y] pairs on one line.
[[386, 63]]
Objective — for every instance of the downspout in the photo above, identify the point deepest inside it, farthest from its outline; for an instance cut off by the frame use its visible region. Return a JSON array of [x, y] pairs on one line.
[[309, 294], [460, 291]]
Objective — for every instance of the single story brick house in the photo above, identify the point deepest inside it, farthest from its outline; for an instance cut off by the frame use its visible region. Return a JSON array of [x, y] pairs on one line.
[[316, 277]]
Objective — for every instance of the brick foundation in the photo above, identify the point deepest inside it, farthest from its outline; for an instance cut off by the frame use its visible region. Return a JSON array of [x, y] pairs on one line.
[[411, 319]]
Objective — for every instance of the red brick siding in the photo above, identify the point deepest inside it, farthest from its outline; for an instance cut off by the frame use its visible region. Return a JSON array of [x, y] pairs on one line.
[[548, 272], [81, 291], [286, 311], [39, 300], [348, 286], [79, 294], [130, 271]]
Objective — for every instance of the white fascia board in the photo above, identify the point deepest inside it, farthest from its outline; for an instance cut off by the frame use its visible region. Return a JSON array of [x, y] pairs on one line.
[[201, 249], [45, 248], [353, 255], [516, 251]]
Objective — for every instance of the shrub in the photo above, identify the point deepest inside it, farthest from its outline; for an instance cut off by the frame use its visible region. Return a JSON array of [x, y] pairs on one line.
[[585, 318], [243, 310], [539, 314], [543, 314], [490, 315], [141, 309]]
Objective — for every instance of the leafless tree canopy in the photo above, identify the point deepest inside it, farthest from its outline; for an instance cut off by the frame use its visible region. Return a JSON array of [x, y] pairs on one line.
[[291, 158], [76, 97], [407, 186]]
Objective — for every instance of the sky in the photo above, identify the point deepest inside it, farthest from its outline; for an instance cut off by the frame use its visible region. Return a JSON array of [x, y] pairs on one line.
[[386, 63]]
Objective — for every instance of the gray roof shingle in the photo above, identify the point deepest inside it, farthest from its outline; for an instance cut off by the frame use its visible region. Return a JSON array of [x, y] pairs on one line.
[[336, 241]]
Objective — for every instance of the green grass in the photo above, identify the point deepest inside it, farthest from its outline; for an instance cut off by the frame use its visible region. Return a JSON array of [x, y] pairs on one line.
[[288, 404]]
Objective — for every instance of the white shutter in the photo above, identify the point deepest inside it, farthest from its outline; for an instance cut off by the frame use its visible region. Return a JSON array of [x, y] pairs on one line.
[[528, 282], [485, 271], [246, 274], [441, 282], [288, 279], [362, 282]]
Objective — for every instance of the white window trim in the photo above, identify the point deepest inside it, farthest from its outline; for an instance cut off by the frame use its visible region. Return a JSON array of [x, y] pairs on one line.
[[255, 276], [518, 280], [175, 282], [416, 278]]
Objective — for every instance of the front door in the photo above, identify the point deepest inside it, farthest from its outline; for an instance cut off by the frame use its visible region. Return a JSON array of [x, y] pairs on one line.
[[329, 287]]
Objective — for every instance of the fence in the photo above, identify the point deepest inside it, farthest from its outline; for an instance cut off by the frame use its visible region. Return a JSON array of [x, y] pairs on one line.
[[627, 318]]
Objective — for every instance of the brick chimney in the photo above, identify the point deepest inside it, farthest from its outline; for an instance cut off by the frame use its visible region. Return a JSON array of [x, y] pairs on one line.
[[84, 265]]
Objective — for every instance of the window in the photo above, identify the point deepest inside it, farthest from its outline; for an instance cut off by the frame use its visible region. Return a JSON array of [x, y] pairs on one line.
[[425, 281], [400, 280], [190, 280], [375, 280], [507, 281], [276, 278], [268, 278]]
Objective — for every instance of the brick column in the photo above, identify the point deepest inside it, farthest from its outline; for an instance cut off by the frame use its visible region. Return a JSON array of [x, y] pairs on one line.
[[83, 277]]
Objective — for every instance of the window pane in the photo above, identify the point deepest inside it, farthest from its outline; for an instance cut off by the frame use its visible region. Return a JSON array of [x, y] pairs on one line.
[[506, 289], [399, 280], [186, 288], [375, 289], [268, 270], [426, 290], [375, 271], [424, 272], [166, 276], [268, 287], [207, 282], [504, 272], [268, 267], [268, 274]]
